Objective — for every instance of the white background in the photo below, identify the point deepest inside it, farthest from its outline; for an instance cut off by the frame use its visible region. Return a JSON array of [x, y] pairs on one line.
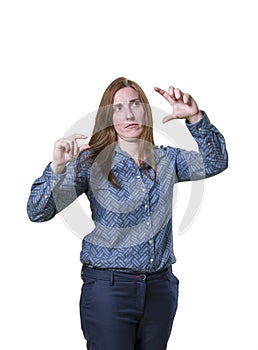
[[57, 57]]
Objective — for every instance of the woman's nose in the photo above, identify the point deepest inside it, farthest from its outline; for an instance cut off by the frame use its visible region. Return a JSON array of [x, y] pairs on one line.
[[129, 113], [130, 116]]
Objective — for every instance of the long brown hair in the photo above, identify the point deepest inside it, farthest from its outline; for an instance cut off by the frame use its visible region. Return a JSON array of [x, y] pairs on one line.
[[104, 136]]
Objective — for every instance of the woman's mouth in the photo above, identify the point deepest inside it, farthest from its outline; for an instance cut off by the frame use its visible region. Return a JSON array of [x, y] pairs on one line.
[[131, 126]]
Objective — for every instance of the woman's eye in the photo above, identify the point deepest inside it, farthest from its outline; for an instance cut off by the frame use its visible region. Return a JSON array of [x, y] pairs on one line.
[[117, 108], [136, 103]]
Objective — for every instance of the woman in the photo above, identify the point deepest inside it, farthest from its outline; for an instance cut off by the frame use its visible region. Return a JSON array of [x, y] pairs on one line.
[[129, 295]]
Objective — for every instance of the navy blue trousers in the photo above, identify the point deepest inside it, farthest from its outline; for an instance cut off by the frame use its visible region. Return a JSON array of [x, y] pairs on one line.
[[127, 311]]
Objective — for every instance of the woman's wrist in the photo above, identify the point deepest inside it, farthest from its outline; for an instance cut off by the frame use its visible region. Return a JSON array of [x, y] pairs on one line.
[[57, 169], [195, 118]]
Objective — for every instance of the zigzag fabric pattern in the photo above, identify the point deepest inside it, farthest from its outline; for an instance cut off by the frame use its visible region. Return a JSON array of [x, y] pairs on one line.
[[133, 223]]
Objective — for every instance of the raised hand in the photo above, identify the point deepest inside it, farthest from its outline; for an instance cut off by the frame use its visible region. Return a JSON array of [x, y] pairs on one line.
[[184, 106], [66, 150]]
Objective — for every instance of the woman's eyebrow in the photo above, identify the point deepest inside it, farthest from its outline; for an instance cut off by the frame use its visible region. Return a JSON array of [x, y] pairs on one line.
[[118, 104], [134, 99], [121, 103]]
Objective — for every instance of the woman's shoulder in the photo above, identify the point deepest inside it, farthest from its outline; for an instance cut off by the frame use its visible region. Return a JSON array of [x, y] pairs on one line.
[[161, 149], [166, 152]]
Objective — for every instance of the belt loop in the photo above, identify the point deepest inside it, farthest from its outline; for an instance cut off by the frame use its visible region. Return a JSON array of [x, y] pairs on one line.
[[112, 278]]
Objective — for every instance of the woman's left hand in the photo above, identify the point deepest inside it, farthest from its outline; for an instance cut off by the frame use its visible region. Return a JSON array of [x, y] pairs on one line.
[[184, 106]]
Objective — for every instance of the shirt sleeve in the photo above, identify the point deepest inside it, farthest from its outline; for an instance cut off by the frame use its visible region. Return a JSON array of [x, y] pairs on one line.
[[52, 192], [212, 157]]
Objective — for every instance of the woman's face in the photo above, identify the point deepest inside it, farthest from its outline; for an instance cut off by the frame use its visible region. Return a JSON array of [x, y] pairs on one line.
[[128, 114]]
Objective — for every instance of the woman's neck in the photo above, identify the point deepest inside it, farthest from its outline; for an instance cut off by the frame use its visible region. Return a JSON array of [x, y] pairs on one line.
[[131, 147]]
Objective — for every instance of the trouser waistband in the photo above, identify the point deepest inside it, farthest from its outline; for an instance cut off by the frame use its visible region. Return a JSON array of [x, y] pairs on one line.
[[111, 275]]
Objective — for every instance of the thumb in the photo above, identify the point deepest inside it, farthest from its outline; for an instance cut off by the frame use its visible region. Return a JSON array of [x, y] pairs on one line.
[[84, 147], [168, 117]]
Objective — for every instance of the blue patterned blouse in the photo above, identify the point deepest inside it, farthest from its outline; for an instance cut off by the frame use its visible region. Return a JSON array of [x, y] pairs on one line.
[[133, 224]]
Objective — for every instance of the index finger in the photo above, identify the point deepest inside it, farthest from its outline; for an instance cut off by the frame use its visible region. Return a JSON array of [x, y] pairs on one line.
[[77, 136], [164, 93]]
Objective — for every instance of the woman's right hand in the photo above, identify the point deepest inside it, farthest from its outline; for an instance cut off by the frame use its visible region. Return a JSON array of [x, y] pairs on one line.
[[66, 150]]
